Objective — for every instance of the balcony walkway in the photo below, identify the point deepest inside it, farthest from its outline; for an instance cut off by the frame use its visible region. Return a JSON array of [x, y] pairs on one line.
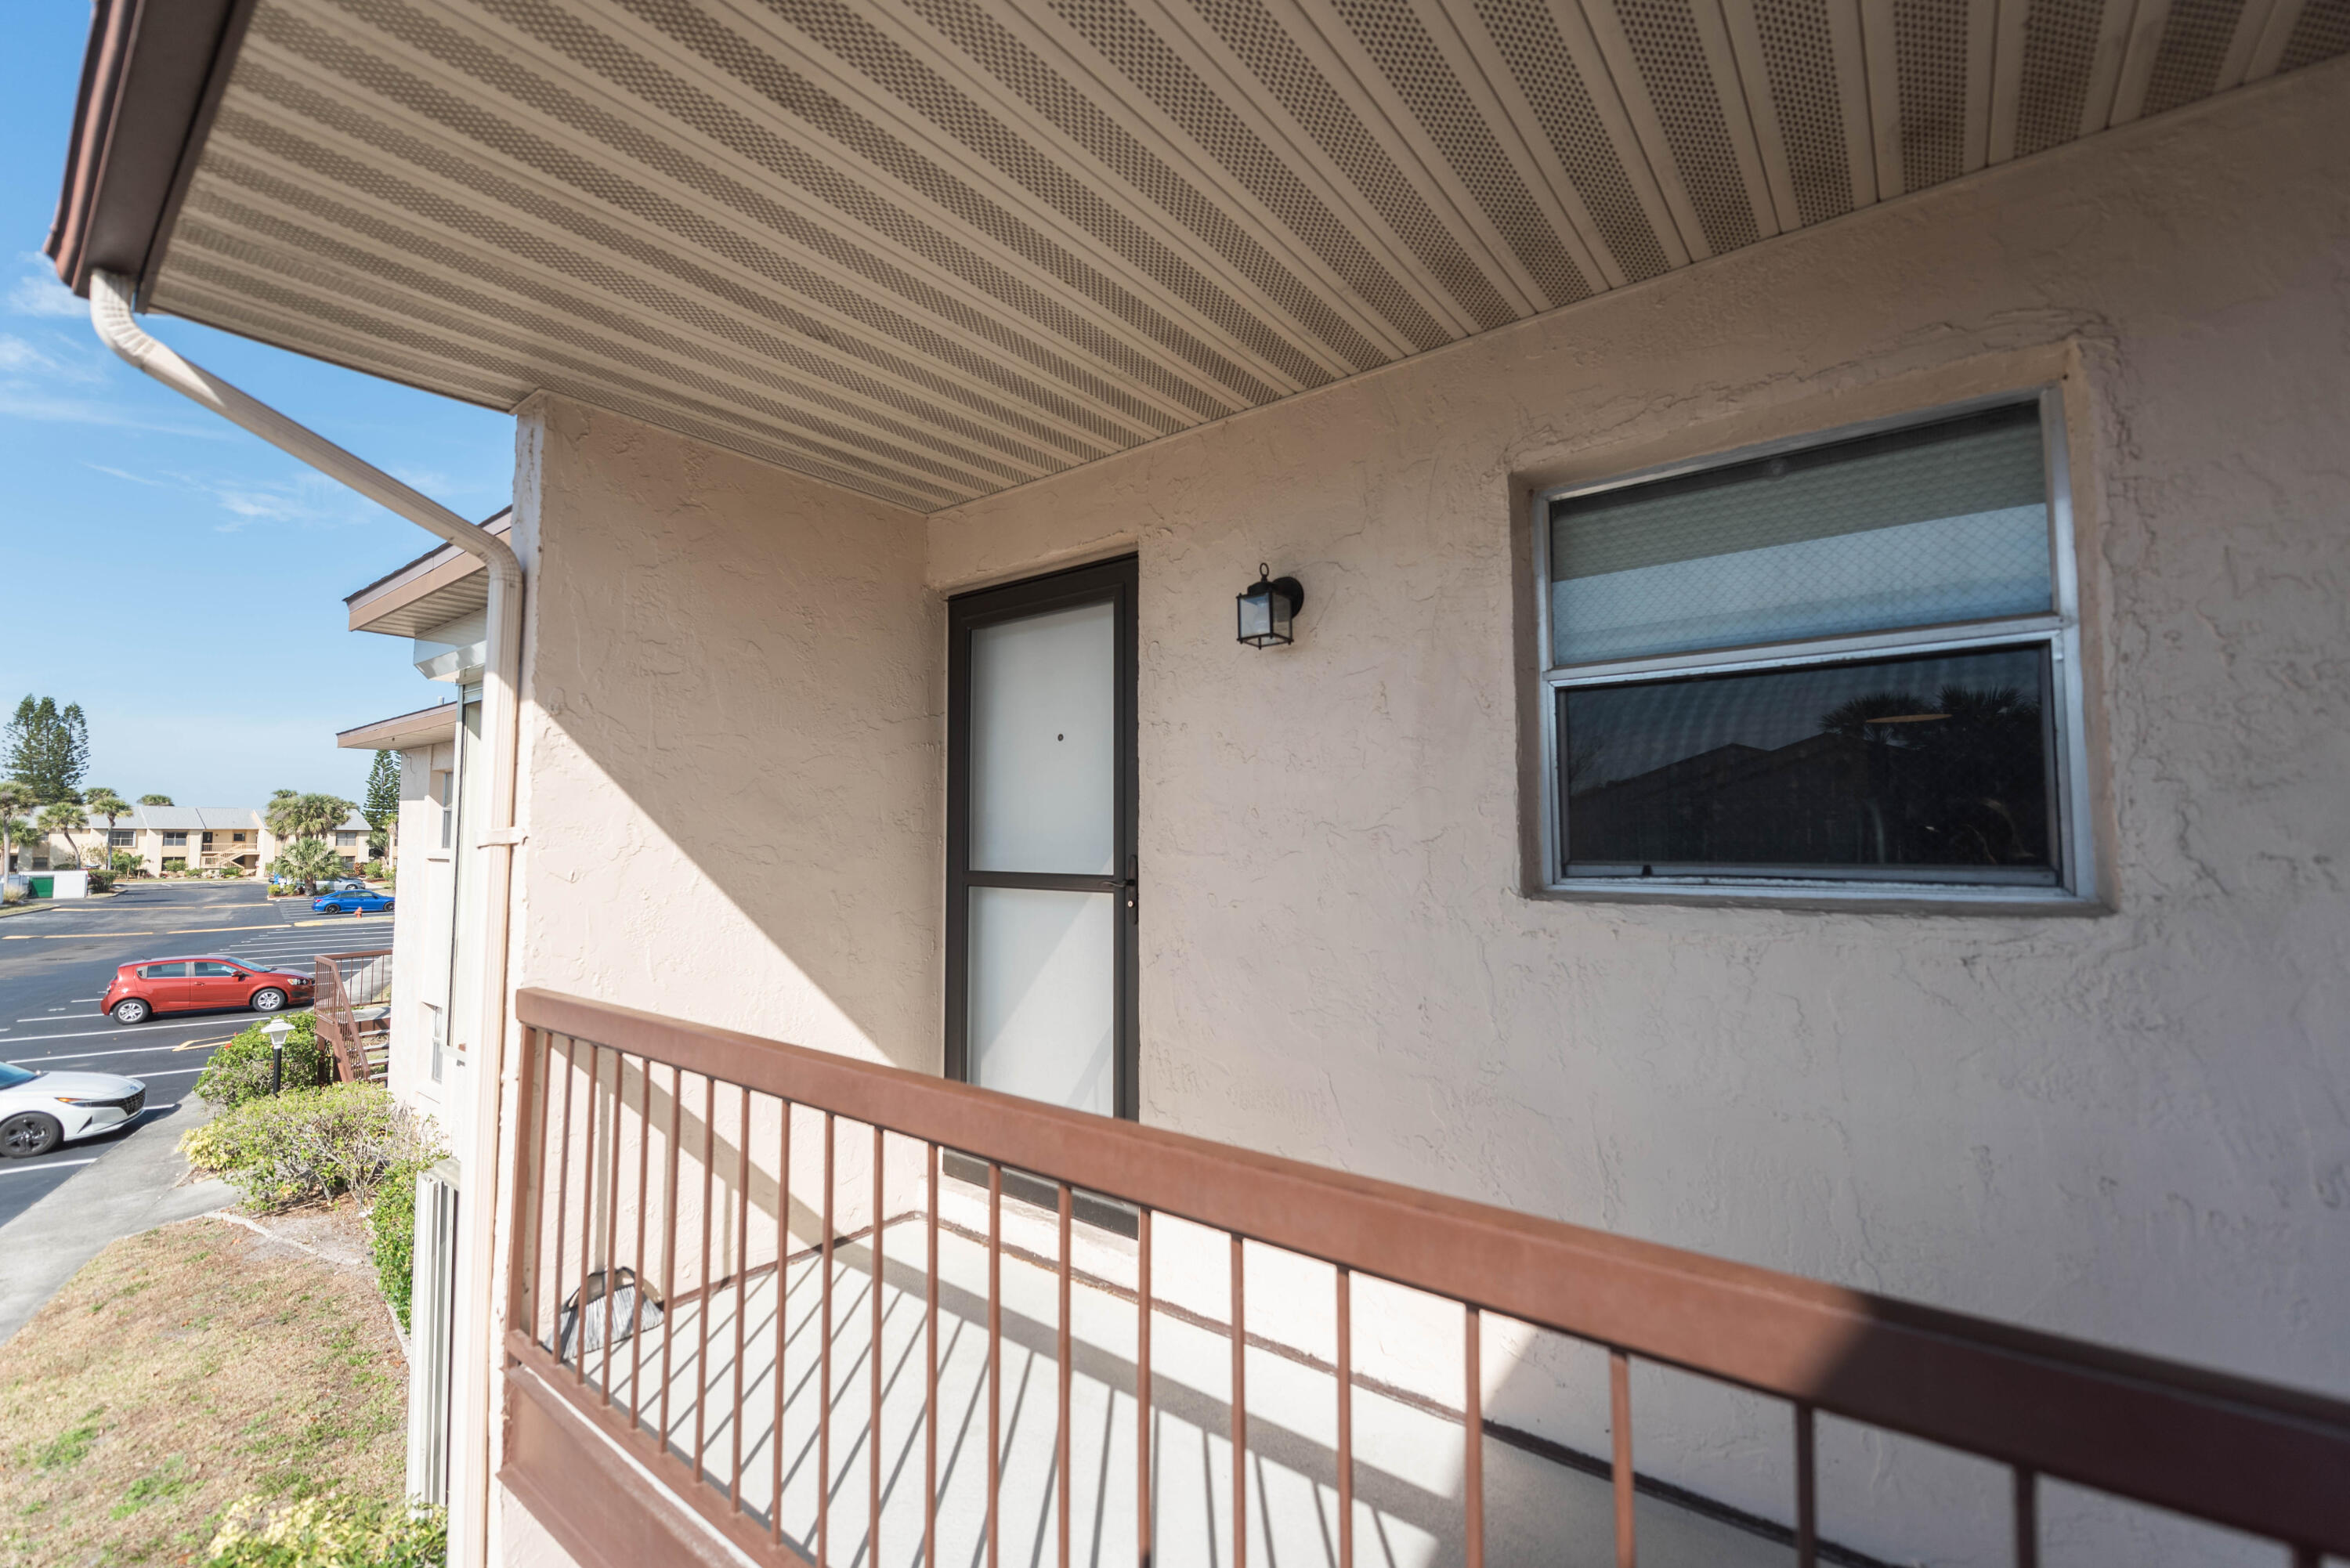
[[1408, 1450]]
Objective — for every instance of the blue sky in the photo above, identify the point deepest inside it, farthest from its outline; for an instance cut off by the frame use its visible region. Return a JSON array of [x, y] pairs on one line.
[[178, 578]]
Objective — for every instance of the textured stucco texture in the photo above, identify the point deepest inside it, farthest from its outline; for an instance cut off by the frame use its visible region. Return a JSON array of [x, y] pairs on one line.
[[2131, 1124]]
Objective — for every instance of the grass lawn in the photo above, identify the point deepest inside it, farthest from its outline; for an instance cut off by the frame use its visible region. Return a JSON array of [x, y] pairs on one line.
[[181, 1370]]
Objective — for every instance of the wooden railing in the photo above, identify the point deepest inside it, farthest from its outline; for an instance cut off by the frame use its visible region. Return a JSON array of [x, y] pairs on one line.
[[352, 996], [680, 1188]]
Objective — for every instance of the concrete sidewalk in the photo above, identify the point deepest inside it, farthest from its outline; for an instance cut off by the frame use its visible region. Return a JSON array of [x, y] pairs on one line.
[[132, 1188]]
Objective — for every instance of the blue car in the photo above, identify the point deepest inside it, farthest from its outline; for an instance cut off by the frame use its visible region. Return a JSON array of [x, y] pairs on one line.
[[351, 903]]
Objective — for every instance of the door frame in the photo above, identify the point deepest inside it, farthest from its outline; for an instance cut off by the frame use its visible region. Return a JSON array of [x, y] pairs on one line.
[[1114, 581]]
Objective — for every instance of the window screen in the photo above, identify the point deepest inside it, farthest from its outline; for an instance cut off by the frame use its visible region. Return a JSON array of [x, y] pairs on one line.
[[1851, 665], [1945, 523]]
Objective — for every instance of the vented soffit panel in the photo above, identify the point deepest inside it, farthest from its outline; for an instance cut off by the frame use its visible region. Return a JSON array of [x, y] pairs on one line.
[[931, 249]]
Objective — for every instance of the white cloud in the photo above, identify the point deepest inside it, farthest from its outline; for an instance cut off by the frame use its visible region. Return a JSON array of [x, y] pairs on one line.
[[40, 294], [126, 473], [19, 401]]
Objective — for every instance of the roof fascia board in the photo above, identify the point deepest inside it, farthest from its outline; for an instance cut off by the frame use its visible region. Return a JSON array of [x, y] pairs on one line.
[[402, 730], [152, 77], [433, 570]]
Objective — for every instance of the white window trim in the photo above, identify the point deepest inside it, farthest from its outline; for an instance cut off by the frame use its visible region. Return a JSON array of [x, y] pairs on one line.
[[2075, 887]]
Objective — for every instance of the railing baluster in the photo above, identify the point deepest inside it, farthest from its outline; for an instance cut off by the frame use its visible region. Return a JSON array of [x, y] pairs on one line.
[[783, 1303], [586, 1215], [2027, 1518], [612, 1214], [1240, 1409], [702, 1294], [1473, 1437], [637, 1258], [562, 1194], [873, 1416], [824, 1374], [742, 1281], [1061, 1448], [669, 1250], [931, 1386], [1620, 1400], [1808, 1496], [1346, 1416], [530, 1186], [1142, 1537], [994, 1349]]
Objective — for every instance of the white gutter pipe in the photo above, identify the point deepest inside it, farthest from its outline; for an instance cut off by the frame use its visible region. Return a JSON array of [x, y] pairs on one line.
[[111, 314]]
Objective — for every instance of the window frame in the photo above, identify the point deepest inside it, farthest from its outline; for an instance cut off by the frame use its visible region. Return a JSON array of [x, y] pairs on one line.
[[2058, 629]]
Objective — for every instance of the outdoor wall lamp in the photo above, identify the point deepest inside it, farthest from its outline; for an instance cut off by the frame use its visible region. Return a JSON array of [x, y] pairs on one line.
[[1266, 607]]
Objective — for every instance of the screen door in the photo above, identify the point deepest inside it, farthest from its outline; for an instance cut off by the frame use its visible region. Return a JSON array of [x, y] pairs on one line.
[[1041, 895]]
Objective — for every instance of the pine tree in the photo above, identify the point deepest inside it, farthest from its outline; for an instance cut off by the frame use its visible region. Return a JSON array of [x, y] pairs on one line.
[[46, 748], [382, 807]]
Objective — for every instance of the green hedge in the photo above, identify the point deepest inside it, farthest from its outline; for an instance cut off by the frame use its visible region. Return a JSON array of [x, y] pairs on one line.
[[330, 1531], [239, 1071], [308, 1144], [391, 1234]]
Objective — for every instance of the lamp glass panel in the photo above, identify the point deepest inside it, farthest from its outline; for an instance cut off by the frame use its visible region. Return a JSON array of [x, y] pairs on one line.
[[1256, 615]]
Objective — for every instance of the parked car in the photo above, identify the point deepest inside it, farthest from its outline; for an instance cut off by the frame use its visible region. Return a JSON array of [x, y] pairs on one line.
[[40, 1111], [360, 903], [140, 990]]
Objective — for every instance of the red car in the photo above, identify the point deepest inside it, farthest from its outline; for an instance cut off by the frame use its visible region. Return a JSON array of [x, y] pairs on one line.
[[193, 984]]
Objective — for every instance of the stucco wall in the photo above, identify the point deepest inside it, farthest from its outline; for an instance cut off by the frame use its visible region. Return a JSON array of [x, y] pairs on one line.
[[2134, 1127], [730, 740]]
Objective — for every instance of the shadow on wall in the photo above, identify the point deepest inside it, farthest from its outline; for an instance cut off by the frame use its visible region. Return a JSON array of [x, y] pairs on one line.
[[734, 764]]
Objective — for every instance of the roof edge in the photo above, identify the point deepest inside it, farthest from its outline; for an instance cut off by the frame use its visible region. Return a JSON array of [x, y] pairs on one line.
[[401, 730], [152, 74], [500, 523]]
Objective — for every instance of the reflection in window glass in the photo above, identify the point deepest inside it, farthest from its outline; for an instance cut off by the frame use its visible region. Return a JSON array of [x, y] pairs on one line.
[[1937, 764]]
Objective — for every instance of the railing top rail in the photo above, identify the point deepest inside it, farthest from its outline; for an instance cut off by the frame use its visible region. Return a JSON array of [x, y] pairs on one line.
[[353, 957], [2232, 1449]]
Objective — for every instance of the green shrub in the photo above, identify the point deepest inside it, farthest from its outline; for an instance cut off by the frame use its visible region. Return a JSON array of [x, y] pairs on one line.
[[330, 1531], [231, 869], [175, 863], [391, 1234], [308, 1144], [239, 1071]]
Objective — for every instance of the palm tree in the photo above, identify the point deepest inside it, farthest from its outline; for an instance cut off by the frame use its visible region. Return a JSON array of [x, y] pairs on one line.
[[105, 803], [68, 818], [307, 861], [14, 797], [154, 800], [291, 816]]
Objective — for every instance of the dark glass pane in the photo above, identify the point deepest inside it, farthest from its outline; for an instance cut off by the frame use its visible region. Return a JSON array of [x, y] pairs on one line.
[[1933, 766]]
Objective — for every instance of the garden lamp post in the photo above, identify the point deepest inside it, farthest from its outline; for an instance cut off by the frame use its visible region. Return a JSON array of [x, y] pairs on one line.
[[277, 1030]]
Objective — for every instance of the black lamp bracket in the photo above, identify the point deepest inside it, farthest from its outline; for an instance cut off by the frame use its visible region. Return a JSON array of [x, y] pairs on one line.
[[1289, 587]]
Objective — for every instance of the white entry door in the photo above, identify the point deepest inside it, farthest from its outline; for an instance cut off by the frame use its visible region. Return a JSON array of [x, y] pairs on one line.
[[1041, 896]]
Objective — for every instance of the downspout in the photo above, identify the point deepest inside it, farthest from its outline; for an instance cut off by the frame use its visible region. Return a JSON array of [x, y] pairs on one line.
[[111, 314]]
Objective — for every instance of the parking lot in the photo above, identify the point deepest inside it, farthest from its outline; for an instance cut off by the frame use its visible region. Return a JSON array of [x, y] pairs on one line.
[[55, 963]]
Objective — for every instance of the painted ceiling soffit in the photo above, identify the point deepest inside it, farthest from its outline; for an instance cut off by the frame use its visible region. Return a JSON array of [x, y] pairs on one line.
[[931, 249]]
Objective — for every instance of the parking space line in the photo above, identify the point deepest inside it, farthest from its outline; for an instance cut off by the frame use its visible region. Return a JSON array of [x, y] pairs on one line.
[[118, 1031], [53, 1164], [129, 1051]]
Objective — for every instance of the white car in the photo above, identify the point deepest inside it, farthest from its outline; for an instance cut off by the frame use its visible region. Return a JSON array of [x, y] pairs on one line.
[[40, 1111]]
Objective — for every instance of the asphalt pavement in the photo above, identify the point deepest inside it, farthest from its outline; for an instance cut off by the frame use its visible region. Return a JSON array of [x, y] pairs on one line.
[[55, 963]]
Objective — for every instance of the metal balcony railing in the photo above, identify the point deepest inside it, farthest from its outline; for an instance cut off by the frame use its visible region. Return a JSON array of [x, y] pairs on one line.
[[351, 995], [783, 1282]]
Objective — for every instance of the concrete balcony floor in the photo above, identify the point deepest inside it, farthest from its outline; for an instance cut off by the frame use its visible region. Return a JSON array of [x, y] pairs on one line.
[[1408, 1455]]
